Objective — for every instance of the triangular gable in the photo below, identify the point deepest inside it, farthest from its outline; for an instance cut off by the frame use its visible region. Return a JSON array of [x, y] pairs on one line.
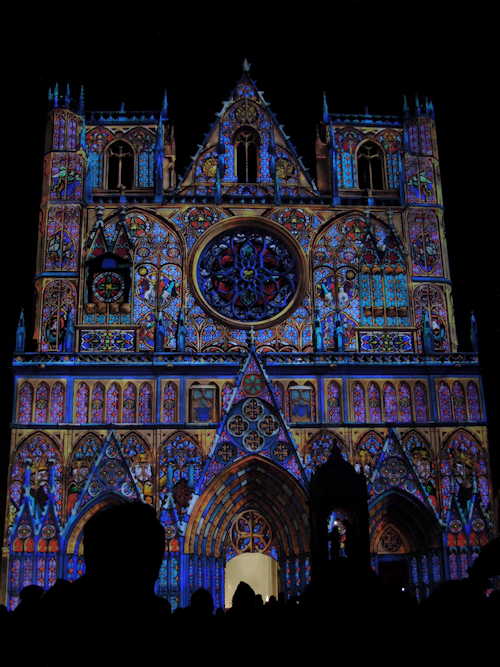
[[246, 107], [253, 408], [395, 469], [123, 244], [110, 474], [97, 245]]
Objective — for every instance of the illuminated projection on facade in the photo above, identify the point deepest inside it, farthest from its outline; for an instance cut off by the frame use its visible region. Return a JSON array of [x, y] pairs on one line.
[[205, 343]]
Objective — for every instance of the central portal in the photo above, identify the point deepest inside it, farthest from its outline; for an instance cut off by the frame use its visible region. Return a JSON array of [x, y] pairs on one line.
[[257, 570]]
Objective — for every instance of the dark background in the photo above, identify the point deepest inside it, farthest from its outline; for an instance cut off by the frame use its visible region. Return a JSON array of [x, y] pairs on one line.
[[366, 55]]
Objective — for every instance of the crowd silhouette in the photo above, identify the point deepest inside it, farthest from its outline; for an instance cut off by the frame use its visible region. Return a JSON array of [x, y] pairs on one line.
[[111, 615]]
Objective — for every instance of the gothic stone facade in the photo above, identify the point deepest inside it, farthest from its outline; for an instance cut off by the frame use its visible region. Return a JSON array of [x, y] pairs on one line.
[[204, 342]]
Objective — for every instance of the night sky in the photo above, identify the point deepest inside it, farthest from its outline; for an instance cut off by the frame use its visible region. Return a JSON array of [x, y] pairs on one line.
[[361, 56]]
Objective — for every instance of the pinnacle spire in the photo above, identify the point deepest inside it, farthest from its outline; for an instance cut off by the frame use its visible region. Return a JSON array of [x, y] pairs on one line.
[[326, 112], [246, 65]]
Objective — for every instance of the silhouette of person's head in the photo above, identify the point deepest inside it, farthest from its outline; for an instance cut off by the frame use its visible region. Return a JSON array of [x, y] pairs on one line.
[[124, 545], [244, 597], [202, 603]]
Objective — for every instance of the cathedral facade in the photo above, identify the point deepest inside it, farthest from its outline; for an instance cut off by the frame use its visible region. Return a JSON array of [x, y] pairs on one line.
[[206, 341]]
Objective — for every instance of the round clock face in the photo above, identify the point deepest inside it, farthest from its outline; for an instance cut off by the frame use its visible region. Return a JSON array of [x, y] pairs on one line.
[[108, 287], [248, 275]]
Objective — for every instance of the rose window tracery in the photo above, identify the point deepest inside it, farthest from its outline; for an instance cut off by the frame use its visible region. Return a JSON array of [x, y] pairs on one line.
[[248, 275], [250, 533]]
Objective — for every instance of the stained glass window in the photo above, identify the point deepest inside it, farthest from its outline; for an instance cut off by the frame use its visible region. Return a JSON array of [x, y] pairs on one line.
[[390, 403], [404, 402], [82, 403], [425, 244], [120, 157], [113, 404], [180, 468], [82, 458], [374, 404], [145, 403], [444, 401], [129, 403], [203, 403], [458, 399], [140, 463], [421, 412], [247, 275], [63, 229], [42, 403], [430, 298], [367, 452], [301, 400], [25, 404], [97, 405], [57, 403], [473, 402], [59, 298], [169, 403], [358, 403], [334, 404]]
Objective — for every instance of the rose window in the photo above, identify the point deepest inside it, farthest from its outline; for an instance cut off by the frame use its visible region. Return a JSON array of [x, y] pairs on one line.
[[250, 533], [248, 276], [108, 287]]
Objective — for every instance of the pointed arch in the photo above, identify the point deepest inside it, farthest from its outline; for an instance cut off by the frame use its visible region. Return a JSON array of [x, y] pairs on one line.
[[370, 160], [82, 403], [464, 469], [252, 483], [145, 407], [419, 451], [203, 402], [72, 539], [405, 411], [334, 402], [444, 402], [37, 469], [420, 402], [169, 414], [97, 404], [58, 300], [390, 403], [80, 464], [180, 465], [25, 403], [374, 403], [120, 165], [358, 403], [42, 403], [473, 402], [319, 448], [409, 516], [139, 458], [129, 406], [302, 402], [458, 401], [246, 143], [366, 453], [57, 395], [113, 404]]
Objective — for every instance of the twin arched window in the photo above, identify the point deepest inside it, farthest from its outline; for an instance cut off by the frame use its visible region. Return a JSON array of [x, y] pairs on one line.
[[371, 166]]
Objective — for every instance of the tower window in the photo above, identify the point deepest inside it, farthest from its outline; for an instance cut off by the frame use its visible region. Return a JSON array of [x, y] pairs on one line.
[[246, 143], [370, 166], [120, 166]]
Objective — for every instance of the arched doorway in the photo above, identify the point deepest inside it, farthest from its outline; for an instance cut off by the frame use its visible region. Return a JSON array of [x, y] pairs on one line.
[[259, 571], [405, 543], [253, 489]]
